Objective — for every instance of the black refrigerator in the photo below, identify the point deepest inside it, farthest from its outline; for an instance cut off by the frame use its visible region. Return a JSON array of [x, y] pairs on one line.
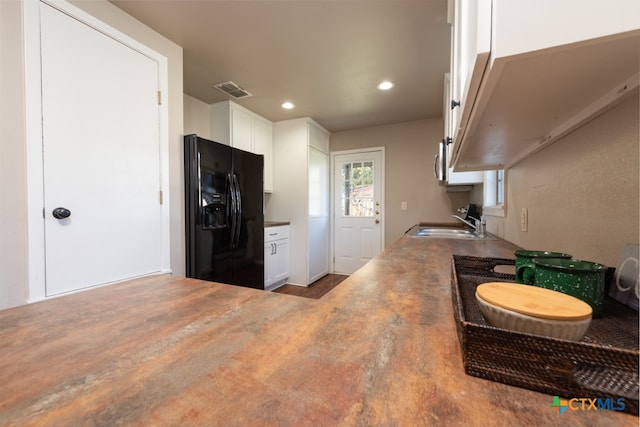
[[224, 213]]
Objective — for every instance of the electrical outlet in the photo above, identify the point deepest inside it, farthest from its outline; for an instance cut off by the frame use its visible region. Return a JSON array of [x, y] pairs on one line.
[[524, 219], [403, 206]]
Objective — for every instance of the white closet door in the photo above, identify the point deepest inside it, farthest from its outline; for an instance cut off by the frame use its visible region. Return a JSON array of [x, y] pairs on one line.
[[101, 156]]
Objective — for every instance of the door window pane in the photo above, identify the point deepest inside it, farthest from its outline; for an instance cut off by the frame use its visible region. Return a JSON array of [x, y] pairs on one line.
[[357, 189]]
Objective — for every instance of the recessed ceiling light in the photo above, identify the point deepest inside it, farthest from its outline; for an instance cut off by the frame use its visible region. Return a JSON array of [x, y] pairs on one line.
[[287, 105], [386, 85]]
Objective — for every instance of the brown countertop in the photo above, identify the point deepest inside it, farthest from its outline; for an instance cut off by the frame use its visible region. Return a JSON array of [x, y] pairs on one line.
[[378, 350], [276, 223]]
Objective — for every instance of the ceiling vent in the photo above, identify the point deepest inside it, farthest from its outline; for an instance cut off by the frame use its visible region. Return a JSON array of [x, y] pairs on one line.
[[232, 89]]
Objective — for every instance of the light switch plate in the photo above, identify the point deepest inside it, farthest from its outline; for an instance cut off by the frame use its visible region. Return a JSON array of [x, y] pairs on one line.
[[524, 219], [403, 206]]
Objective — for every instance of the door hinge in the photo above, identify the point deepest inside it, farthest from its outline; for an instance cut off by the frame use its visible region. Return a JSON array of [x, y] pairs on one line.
[[160, 196], [159, 98]]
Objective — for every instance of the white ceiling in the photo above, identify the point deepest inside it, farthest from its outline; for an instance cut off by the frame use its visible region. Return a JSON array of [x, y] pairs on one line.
[[325, 56]]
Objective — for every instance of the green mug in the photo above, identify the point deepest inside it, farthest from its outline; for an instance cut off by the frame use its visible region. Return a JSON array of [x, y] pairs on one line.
[[525, 267], [581, 279]]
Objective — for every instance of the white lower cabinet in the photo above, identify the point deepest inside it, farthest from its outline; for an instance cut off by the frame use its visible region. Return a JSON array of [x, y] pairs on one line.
[[234, 125], [276, 256]]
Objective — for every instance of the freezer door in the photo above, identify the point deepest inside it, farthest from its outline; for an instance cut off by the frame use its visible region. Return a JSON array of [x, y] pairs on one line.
[[208, 210]]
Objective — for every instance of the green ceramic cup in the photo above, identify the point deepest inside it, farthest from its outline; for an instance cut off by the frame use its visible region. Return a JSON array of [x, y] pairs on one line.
[[525, 268], [581, 279]]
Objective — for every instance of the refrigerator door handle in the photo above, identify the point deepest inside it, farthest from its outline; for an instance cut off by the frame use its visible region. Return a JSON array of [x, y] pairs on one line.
[[200, 207], [238, 210], [232, 216]]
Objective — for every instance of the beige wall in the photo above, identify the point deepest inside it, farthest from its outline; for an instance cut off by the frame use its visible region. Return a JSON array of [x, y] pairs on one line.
[[197, 117], [13, 177], [409, 151], [582, 193], [14, 274]]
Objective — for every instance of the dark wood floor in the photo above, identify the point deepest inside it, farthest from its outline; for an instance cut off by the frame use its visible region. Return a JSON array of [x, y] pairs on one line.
[[316, 290]]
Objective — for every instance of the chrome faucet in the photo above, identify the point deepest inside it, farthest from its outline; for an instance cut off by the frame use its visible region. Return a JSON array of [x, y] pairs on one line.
[[479, 226]]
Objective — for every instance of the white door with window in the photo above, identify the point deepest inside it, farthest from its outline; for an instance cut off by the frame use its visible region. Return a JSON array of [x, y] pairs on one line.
[[103, 219], [358, 230]]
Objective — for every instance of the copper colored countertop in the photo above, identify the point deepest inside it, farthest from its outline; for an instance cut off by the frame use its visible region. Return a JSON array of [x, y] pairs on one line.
[[276, 223], [378, 350]]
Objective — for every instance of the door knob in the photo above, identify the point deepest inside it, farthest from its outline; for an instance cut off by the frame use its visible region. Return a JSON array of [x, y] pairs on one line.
[[61, 213], [377, 221]]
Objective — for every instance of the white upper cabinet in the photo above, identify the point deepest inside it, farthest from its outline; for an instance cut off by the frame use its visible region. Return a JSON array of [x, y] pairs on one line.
[[455, 178], [241, 129], [527, 73], [263, 144], [234, 125], [470, 47]]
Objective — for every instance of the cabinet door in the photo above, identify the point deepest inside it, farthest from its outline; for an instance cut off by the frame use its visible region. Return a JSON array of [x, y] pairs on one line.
[[280, 260], [268, 264], [241, 130], [471, 46], [262, 144], [318, 220], [318, 139]]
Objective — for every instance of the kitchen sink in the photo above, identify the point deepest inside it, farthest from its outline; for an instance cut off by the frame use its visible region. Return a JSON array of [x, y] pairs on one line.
[[446, 233]]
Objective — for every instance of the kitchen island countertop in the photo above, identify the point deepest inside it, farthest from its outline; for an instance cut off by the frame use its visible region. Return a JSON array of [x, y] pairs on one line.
[[378, 350]]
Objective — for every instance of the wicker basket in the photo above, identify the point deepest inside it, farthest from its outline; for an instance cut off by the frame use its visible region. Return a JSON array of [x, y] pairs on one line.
[[604, 364]]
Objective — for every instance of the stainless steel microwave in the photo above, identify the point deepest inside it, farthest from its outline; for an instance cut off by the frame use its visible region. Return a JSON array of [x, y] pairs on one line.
[[440, 163]]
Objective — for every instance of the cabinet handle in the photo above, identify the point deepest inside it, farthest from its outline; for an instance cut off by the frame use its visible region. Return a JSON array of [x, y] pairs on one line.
[[454, 104]]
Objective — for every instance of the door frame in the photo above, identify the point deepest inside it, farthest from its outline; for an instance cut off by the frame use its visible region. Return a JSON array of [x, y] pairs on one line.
[[33, 129], [332, 219]]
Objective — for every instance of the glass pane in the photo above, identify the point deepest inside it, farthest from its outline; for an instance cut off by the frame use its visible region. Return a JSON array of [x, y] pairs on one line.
[[357, 189]]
